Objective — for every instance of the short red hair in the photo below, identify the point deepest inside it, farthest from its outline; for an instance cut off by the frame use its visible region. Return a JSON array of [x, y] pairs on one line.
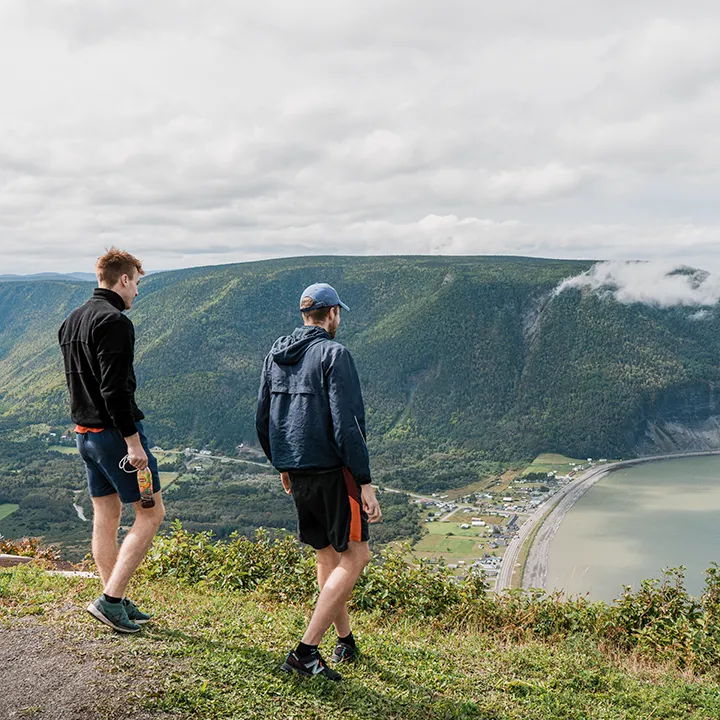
[[115, 263]]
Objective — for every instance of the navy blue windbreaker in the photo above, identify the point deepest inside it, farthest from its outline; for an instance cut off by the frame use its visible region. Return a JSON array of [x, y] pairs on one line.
[[310, 413]]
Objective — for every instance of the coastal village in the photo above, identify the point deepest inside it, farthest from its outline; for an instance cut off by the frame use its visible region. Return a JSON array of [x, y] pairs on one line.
[[470, 531]]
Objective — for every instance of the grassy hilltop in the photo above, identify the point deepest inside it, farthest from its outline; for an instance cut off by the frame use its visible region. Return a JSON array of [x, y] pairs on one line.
[[463, 360], [227, 613]]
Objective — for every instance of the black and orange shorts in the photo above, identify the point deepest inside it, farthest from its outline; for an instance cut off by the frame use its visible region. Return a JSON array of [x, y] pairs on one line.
[[329, 508]]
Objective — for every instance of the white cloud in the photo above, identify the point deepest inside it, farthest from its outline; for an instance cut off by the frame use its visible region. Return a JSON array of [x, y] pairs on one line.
[[654, 283], [216, 132], [531, 184]]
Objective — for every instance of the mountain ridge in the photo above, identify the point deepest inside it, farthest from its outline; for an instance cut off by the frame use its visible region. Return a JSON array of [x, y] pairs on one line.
[[464, 360]]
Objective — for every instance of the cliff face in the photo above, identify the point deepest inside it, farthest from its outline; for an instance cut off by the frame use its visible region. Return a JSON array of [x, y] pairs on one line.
[[684, 419]]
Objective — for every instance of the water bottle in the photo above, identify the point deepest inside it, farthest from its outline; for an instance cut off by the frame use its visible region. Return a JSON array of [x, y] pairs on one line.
[[145, 484]]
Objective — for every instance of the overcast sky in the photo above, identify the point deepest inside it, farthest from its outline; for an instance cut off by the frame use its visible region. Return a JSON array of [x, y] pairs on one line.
[[195, 133]]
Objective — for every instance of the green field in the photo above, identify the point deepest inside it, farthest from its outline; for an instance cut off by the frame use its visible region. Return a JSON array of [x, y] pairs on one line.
[[444, 528], [549, 462], [162, 455], [64, 449], [460, 518], [7, 509], [456, 546], [166, 478], [449, 542]]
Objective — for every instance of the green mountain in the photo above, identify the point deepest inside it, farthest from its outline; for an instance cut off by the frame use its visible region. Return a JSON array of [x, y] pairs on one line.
[[464, 360]]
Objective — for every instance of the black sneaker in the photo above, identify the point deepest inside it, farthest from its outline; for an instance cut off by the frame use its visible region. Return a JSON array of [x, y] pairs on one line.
[[309, 666], [344, 653]]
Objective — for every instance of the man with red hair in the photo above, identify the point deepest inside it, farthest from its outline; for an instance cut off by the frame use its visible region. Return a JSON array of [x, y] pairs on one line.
[[98, 344]]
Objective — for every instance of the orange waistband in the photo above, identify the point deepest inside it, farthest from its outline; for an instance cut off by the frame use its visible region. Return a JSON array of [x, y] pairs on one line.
[[82, 430]]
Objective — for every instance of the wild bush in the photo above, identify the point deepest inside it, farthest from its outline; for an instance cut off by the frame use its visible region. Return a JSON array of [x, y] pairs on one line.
[[28, 547], [660, 620]]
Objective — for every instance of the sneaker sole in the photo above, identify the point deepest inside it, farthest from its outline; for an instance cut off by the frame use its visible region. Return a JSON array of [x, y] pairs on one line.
[[290, 669], [106, 621]]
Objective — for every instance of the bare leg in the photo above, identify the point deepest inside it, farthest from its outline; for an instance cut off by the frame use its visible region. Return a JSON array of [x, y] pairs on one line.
[[106, 522], [135, 546], [327, 560], [336, 590]]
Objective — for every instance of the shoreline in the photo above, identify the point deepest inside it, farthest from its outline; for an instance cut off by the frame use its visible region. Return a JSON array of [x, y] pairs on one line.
[[547, 519]]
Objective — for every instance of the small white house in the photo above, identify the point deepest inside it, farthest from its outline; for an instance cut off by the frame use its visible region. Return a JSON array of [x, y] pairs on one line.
[[465, 526]]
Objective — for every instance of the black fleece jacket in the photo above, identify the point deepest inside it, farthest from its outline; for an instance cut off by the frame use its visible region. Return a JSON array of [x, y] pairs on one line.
[[98, 344]]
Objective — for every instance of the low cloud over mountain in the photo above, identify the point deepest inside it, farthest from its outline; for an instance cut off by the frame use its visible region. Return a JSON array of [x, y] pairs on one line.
[[656, 283]]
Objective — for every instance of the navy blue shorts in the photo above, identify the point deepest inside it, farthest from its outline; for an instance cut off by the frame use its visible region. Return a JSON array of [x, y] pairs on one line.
[[102, 453]]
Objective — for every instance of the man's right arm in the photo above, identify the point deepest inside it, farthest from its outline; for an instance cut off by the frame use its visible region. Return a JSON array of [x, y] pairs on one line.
[[262, 413], [115, 343]]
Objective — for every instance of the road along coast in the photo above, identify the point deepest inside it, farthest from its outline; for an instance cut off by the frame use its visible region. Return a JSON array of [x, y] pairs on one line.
[[547, 518]]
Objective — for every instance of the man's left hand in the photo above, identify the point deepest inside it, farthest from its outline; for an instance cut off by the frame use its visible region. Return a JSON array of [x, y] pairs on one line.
[[285, 477], [370, 503]]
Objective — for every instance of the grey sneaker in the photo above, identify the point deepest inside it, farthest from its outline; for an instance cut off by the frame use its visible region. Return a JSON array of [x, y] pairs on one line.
[[112, 614], [134, 613]]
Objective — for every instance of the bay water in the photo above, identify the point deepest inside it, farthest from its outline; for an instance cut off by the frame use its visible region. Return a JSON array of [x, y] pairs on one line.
[[637, 521]]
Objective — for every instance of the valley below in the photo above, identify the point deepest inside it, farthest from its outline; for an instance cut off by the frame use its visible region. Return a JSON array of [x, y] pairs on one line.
[[461, 407]]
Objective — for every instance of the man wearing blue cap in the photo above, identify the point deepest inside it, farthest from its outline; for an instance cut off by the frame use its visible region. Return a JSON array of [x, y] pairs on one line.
[[311, 424]]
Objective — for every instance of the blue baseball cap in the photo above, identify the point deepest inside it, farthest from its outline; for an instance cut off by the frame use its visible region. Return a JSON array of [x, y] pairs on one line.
[[323, 296]]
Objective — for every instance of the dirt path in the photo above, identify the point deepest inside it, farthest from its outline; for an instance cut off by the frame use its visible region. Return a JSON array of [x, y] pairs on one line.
[[48, 673]]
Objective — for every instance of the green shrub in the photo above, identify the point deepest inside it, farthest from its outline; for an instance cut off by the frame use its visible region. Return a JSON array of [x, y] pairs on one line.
[[279, 564], [660, 620], [28, 547]]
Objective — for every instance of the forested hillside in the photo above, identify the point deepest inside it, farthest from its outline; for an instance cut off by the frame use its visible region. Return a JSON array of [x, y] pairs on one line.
[[464, 361]]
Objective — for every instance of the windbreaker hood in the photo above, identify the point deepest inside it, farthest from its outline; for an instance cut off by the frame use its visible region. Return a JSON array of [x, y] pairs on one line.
[[289, 350]]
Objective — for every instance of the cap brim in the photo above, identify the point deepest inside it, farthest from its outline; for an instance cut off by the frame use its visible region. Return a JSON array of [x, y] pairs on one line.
[[343, 305]]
